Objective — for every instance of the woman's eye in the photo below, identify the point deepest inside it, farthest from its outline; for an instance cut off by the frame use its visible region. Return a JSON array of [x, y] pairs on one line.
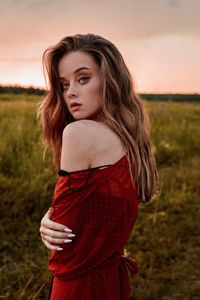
[[64, 86], [84, 79]]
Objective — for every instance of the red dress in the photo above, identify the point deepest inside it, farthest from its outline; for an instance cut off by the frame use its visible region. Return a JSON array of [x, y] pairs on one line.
[[101, 207]]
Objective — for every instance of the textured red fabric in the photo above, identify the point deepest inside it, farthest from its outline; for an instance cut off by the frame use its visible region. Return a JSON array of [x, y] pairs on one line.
[[101, 207]]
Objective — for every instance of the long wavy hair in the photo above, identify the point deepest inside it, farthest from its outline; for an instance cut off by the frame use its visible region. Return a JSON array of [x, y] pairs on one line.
[[122, 108]]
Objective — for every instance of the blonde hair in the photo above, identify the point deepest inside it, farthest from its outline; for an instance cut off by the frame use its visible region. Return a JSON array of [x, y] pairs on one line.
[[122, 107]]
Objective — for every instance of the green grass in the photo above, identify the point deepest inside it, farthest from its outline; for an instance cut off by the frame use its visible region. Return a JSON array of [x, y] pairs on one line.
[[165, 239]]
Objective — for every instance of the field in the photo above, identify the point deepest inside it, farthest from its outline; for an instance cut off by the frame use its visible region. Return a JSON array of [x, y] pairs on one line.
[[165, 240]]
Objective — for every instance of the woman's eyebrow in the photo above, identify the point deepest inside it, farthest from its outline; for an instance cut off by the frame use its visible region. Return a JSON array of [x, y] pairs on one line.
[[76, 71]]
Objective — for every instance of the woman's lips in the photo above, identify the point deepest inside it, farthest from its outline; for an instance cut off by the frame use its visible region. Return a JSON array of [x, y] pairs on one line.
[[76, 107]]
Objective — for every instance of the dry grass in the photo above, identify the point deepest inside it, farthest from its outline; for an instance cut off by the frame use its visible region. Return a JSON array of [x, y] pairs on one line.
[[165, 239]]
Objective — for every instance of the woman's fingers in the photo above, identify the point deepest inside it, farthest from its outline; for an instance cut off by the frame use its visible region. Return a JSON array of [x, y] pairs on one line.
[[48, 223], [50, 246], [55, 234], [55, 226], [55, 240]]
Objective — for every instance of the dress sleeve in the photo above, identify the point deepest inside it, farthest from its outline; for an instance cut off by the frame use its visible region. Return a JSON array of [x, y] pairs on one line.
[[101, 214]]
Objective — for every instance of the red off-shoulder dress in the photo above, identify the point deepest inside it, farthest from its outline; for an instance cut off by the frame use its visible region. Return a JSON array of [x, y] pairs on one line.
[[101, 207]]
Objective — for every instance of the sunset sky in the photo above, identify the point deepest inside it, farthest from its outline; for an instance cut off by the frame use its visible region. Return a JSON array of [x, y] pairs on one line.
[[159, 39]]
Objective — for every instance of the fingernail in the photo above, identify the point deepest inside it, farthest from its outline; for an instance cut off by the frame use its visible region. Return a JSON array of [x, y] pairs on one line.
[[67, 241], [67, 230], [59, 248], [71, 235]]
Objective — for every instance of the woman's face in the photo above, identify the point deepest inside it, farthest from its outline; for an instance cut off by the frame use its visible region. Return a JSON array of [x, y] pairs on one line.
[[80, 80]]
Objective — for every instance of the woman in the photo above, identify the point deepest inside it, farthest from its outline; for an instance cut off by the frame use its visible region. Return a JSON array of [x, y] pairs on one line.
[[99, 133]]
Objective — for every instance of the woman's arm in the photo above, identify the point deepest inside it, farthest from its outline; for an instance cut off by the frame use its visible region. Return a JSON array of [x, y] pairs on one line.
[[75, 155], [54, 233]]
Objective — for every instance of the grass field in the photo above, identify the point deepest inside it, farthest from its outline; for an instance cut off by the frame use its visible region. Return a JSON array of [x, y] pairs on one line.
[[165, 240]]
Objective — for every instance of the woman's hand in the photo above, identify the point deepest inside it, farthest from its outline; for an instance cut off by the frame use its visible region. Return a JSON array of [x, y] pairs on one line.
[[54, 233]]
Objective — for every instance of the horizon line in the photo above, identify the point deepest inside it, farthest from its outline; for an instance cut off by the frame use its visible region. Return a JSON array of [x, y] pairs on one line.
[[138, 92]]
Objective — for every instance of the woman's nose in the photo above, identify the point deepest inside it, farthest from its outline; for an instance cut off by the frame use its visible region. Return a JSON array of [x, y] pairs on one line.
[[72, 92]]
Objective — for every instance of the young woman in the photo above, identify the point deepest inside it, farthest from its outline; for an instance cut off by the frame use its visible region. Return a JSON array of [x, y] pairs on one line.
[[99, 133]]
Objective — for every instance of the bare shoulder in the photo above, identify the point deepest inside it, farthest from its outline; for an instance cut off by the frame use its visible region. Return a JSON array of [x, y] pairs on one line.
[[76, 147], [76, 128], [88, 143], [83, 129]]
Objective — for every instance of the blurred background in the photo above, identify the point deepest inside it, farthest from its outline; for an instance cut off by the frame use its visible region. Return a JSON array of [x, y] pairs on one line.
[[160, 43]]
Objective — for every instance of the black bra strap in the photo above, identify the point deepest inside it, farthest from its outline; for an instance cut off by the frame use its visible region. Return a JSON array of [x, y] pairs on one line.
[[64, 173]]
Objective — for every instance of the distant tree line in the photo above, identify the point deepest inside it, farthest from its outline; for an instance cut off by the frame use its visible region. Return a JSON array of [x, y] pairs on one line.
[[16, 89], [172, 97]]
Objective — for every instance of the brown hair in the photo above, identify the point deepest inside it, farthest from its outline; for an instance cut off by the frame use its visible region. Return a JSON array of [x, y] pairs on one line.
[[122, 107]]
